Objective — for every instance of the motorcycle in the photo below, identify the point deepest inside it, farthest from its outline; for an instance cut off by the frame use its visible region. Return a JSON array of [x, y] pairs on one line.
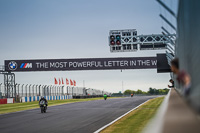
[[43, 106], [105, 97]]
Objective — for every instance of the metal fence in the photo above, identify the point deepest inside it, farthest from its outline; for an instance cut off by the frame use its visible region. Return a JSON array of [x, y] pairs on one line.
[[27, 90]]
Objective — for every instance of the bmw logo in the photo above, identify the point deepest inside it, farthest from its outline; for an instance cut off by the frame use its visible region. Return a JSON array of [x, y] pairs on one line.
[[12, 65]]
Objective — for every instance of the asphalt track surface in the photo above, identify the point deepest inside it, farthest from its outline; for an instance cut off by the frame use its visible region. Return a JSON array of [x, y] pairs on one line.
[[82, 117]]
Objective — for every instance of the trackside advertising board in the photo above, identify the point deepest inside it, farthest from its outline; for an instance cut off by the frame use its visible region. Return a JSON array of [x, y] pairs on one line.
[[81, 64]]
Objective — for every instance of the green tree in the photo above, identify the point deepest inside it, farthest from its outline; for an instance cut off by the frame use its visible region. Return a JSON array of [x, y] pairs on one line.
[[156, 91], [127, 92], [161, 91], [139, 91], [151, 91]]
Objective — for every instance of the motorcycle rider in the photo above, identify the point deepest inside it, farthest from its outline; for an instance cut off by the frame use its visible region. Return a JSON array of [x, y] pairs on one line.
[[131, 95], [105, 96], [44, 99]]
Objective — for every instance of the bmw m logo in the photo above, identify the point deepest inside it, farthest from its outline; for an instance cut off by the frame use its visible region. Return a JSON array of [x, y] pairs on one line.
[[26, 65], [12, 65]]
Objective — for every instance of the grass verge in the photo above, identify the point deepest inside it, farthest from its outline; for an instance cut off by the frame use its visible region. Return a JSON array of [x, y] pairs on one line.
[[135, 121], [8, 108]]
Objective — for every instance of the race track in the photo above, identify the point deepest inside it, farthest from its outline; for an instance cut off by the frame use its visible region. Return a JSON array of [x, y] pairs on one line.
[[82, 117]]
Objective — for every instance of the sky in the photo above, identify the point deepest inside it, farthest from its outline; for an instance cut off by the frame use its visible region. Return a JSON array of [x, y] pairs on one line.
[[64, 29]]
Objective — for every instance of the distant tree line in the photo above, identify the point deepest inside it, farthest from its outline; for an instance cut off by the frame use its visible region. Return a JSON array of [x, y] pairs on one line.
[[152, 91]]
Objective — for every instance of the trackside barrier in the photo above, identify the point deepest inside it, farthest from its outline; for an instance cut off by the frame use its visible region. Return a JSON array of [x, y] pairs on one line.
[[6, 100], [37, 98], [10, 100]]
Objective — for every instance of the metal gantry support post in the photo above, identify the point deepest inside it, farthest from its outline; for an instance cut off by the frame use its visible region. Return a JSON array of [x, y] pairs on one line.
[[6, 85], [18, 89], [15, 92], [9, 83]]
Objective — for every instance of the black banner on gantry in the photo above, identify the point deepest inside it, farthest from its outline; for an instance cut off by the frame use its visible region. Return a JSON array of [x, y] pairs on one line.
[[81, 64]]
